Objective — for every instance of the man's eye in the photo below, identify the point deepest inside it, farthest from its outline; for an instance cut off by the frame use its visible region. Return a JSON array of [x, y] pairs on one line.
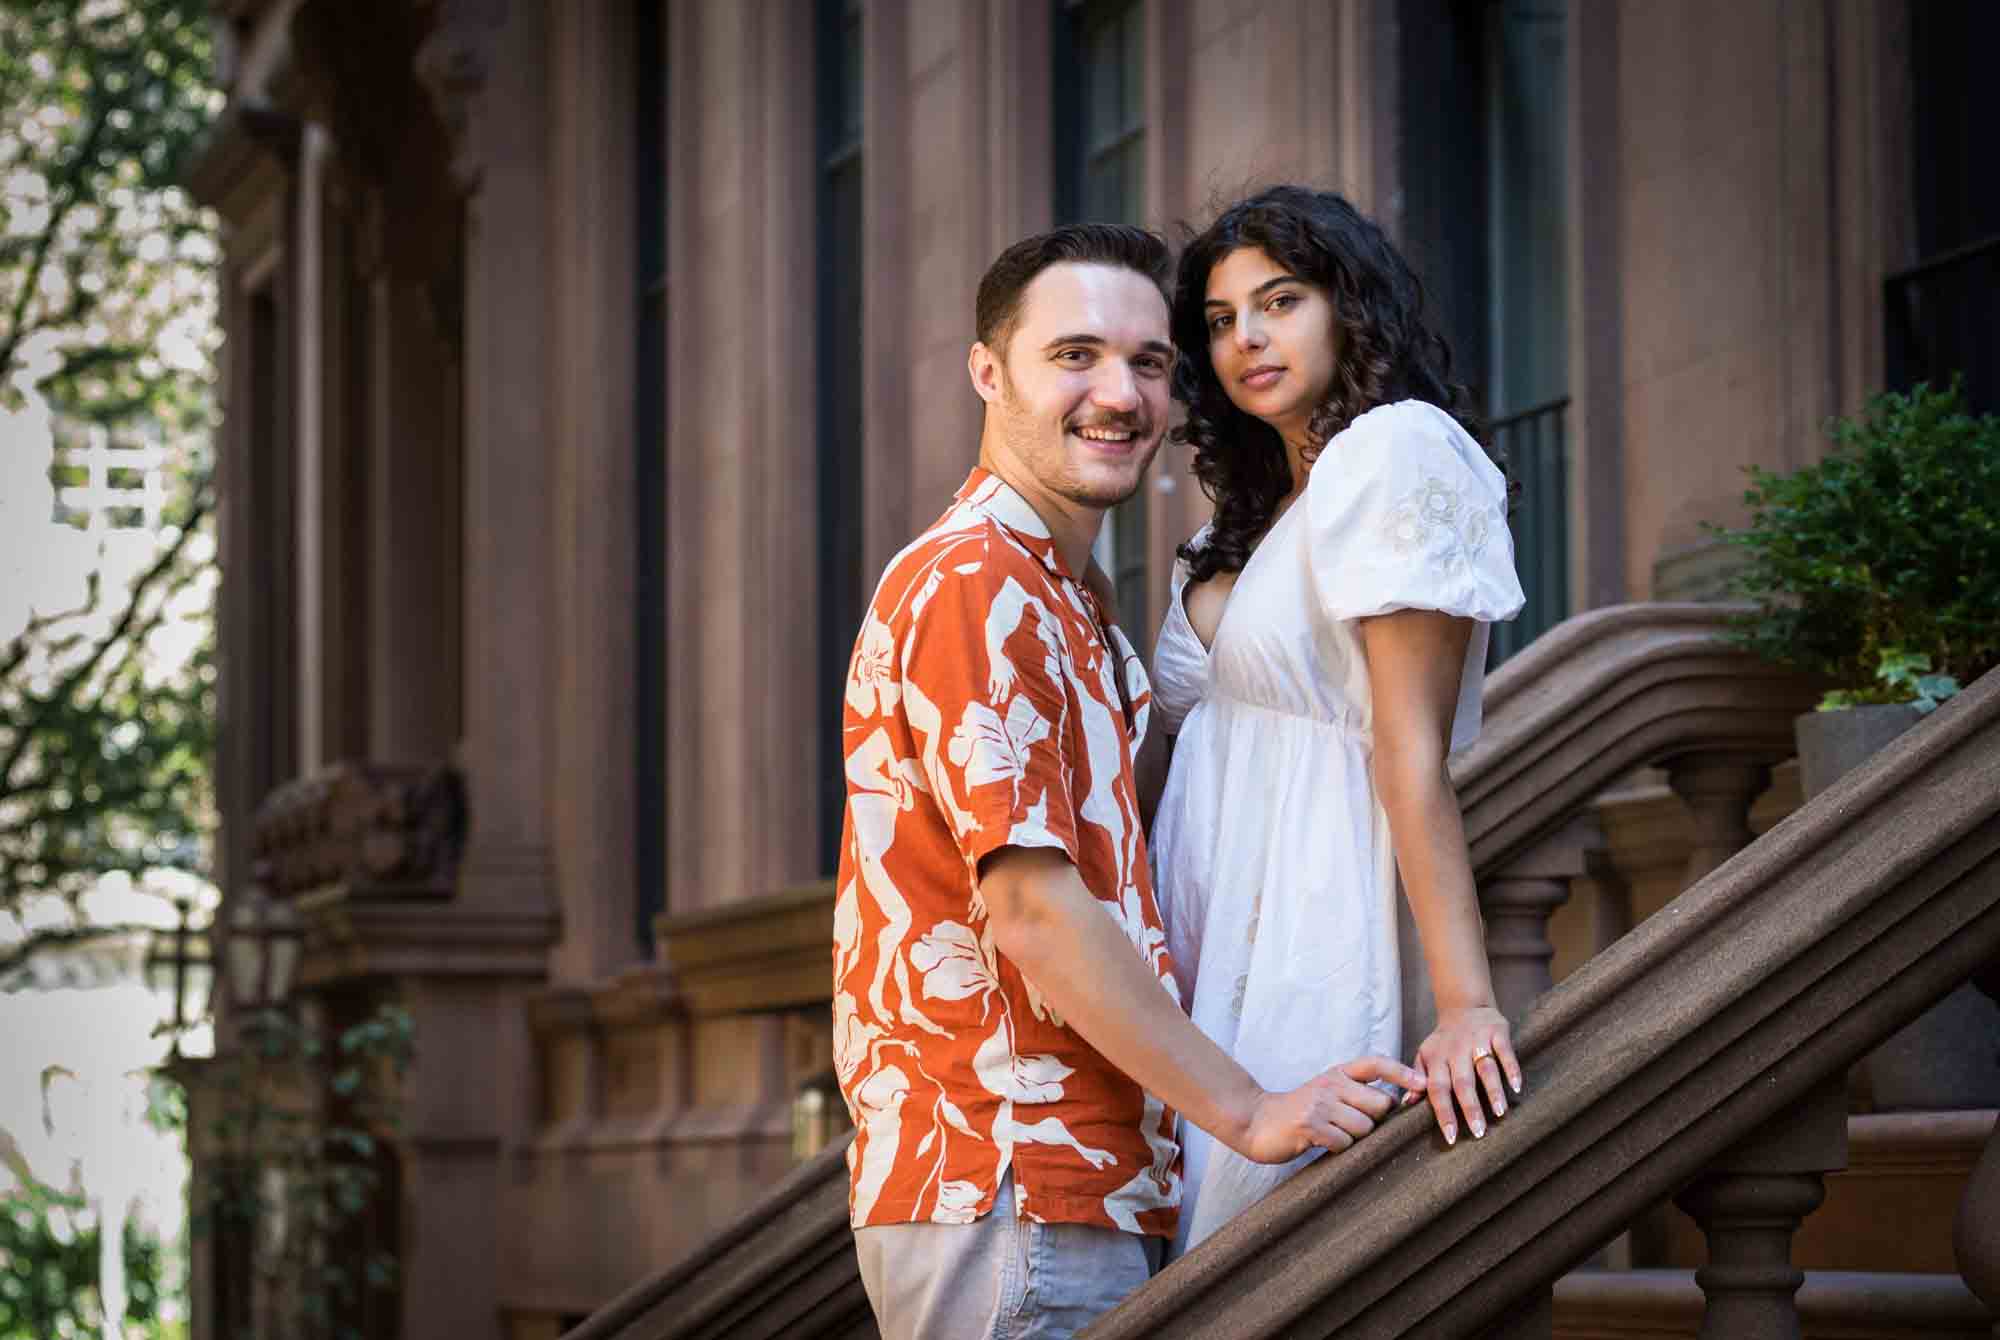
[[1153, 365], [1073, 355]]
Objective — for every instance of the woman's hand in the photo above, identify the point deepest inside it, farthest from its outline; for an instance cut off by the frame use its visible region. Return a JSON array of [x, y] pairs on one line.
[[1469, 1050]]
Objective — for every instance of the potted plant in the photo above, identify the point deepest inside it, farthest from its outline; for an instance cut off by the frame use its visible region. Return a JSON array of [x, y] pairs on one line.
[[1878, 569]]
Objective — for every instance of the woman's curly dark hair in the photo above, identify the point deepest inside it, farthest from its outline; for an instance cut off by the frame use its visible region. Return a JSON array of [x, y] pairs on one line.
[[1387, 353]]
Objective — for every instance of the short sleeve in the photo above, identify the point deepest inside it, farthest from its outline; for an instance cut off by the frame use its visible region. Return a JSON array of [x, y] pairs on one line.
[[985, 696], [1406, 511]]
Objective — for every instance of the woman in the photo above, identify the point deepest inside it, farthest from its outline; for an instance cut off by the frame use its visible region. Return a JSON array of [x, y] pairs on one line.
[[1322, 654]]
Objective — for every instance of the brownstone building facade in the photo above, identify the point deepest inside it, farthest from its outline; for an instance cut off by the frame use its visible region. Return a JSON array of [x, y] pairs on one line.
[[588, 358]]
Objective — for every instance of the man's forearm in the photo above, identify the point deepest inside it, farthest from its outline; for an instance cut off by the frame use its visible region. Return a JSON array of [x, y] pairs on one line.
[[1066, 943]]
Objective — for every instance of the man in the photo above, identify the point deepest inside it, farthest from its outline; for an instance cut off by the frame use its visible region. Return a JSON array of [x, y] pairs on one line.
[[1007, 1030]]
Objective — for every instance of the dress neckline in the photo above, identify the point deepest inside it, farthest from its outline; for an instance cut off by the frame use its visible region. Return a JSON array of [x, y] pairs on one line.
[[1229, 604]]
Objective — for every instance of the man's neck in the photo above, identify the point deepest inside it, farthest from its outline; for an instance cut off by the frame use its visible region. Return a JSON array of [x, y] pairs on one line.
[[1072, 525]]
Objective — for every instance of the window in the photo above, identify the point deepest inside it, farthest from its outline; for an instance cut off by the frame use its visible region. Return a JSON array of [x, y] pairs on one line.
[[1528, 311], [1100, 89], [840, 342], [1484, 122], [1940, 311], [650, 477]]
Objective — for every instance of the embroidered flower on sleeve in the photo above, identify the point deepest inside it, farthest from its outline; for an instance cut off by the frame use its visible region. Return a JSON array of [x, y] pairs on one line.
[[1434, 521]]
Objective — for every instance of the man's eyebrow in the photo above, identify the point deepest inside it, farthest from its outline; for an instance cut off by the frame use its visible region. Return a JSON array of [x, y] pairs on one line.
[[1098, 342], [1260, 290]]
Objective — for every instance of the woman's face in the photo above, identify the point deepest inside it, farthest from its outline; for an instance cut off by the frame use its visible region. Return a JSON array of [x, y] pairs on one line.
[[1272, 338]]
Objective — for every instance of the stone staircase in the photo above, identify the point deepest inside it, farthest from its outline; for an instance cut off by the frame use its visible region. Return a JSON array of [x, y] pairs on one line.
[[1700, 1057]]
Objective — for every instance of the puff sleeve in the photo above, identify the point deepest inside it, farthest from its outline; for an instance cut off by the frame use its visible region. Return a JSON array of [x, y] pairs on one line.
[[1406, 511]]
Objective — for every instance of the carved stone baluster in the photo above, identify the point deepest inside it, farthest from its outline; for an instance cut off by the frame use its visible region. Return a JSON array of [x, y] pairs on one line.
[[1976, 1235], [1517, 903], [1750, 1202], [1718, 791]]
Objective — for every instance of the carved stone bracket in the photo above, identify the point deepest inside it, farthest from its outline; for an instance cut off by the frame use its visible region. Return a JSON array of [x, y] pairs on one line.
[[452, 63], [395, 830]]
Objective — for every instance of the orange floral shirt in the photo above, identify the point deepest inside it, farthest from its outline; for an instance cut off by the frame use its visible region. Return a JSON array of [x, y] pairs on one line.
[[989, 704]]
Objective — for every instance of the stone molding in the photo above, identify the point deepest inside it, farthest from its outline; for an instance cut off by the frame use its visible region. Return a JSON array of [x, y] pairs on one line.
[[762, 954], [1603, 695]]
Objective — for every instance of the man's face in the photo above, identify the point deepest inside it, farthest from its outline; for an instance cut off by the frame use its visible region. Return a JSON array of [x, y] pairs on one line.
[[1079, 395]]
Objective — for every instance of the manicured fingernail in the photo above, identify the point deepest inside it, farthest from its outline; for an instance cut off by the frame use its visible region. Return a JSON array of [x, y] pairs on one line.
[[1515, 1080], [1451, 1135], [1478, 1128], [1499, 1107]]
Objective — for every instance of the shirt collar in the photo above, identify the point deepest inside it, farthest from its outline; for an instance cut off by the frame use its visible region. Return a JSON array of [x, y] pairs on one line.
[[997, 500]]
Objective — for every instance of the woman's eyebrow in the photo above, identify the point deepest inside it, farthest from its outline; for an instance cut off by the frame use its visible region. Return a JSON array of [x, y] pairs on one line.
[[1260, 290]]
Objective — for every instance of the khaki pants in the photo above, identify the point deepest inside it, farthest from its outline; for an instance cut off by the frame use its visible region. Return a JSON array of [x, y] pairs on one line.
[[1000, 1278]]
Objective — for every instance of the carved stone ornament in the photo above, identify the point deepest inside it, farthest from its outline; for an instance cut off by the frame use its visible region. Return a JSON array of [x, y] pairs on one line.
[[452, 63], [399, 829]]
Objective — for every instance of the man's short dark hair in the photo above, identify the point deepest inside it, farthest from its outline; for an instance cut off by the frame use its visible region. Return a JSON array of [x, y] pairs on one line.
[[1000, 289]]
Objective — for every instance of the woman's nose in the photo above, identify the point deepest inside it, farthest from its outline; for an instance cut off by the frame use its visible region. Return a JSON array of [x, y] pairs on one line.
[[1249, 334]]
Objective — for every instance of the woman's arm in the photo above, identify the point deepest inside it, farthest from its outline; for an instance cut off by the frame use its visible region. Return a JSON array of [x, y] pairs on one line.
[[1415, 659]]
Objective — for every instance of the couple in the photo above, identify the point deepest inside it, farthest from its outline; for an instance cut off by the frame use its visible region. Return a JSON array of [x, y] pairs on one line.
[[1064, 1057]]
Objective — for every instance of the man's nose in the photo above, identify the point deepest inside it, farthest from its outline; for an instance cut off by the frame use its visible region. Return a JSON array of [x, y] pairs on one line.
[[1117, 388]]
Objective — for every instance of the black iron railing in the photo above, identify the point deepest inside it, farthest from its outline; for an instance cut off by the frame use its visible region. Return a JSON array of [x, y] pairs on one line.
[[1941, 318], [1534, 444]]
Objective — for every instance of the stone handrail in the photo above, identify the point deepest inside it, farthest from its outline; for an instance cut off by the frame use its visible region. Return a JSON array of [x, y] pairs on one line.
[[1602, 694]]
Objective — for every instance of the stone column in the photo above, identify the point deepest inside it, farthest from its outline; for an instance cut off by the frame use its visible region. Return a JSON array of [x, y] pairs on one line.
[[1517, 902], [1718, 791], [1750, 1203]]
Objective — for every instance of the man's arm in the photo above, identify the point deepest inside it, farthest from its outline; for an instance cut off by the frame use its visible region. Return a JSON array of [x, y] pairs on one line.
[[1066, 942]]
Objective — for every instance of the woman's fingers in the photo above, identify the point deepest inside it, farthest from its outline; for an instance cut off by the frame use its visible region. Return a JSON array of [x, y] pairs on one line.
[[1466, 1088], [1439, 1089], [1503, 1051], [1488, 1071]]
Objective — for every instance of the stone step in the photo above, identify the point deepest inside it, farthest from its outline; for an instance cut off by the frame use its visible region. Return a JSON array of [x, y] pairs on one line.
[[1891, 1209], [1833, 1305]]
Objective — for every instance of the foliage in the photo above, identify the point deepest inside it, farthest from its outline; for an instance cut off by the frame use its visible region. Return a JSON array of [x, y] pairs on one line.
[[1874, 568], [294, 1170], [102, 249], [107, 280], [48, 1268]]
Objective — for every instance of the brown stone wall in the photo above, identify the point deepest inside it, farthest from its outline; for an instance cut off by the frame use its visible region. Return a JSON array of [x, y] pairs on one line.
[[1746, 245]]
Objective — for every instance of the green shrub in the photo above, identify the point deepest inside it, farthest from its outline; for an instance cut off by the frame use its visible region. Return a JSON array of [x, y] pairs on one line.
[[1878, 568]]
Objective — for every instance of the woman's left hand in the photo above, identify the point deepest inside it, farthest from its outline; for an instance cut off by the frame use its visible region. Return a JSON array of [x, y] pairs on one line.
[[1470, 1049]]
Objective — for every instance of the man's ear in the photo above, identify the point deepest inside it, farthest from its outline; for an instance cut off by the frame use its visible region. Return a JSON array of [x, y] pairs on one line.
[[984, 365]]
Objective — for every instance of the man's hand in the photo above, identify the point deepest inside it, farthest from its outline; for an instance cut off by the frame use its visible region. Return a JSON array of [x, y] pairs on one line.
[[1331, 1110]]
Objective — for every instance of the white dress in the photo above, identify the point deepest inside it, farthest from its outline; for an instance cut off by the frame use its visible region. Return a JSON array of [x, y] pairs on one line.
[[1271, 854]]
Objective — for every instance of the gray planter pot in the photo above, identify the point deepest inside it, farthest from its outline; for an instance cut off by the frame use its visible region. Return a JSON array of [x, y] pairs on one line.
[[1950, 1057]]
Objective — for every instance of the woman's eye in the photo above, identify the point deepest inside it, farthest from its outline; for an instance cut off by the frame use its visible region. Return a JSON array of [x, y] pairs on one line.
[[1218, 324], [1282, 301]]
